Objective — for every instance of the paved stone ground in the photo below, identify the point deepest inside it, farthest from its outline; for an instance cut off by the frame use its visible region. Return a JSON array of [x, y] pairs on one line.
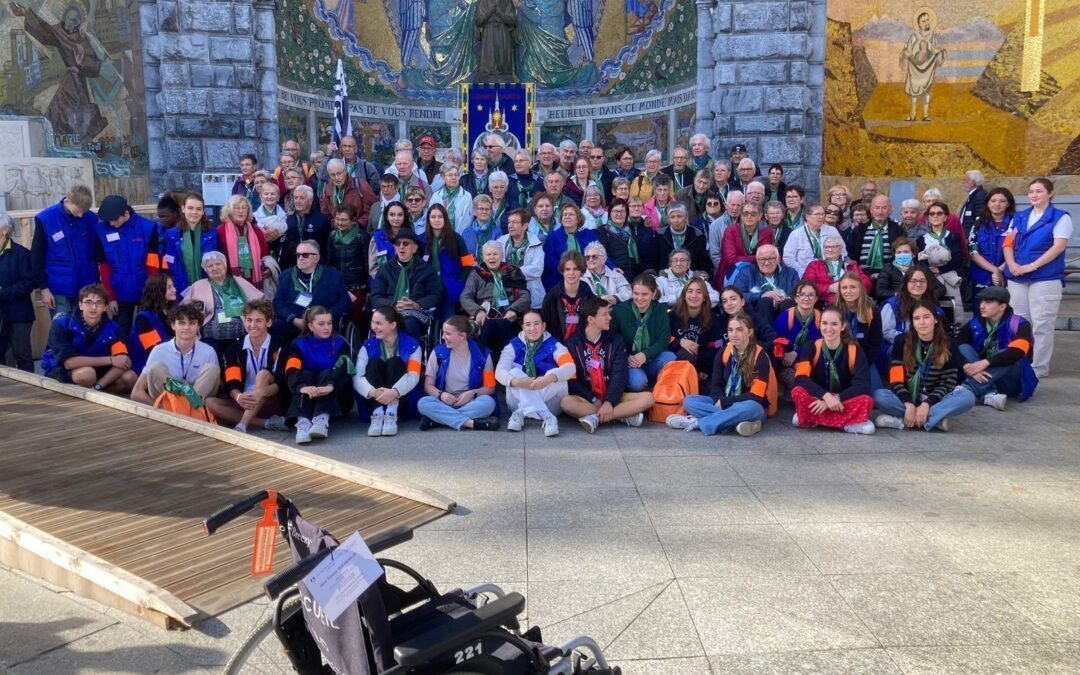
[[795, 551]]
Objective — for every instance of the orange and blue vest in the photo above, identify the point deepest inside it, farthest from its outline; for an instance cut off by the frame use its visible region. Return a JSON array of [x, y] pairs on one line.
[[1031, 241], [127, 250], [69, 250]]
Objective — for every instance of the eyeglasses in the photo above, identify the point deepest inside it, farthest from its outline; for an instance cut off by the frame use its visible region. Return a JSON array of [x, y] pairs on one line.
[[593, 256], [306, 255], [596, 156], [832, 212], [917, 282], [414, 199], [712, 203], [935, 213], [93, 303], [771, 258]]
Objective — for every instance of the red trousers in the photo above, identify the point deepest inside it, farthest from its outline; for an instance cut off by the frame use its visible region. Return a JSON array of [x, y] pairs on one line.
[[855, 410]]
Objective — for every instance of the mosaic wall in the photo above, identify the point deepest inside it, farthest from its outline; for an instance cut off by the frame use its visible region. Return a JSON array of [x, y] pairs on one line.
[[931, 91], [72, 107]]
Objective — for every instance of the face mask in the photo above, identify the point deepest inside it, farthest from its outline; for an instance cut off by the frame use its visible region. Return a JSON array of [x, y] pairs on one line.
[[903, 259]]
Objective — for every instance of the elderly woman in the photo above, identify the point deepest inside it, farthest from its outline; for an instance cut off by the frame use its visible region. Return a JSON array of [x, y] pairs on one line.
[[645, 182], [342, 189], [569, 237], [605, 282], [476, 181], [269, 215], [593, 209], [221, 297], [484, 228], [503, 199], [624, 166], [826, 273], [455, 198], [620, 189], [241, 241], [16, 309], [496, 295], [678, 273], [294, 178], [952, 221], [578, 182], [525, 251], [416, 207]]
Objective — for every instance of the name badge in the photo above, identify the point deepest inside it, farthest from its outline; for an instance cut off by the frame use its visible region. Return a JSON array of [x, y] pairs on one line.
[[594, 363], [169, 259], [572, 319], [304, 299], [112, 236], [222, 317], [57, 236], [503, 302]]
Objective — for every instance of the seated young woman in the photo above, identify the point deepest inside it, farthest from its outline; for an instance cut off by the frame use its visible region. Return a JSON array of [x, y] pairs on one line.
[[895, 313], [598, 394], [738, 396], [317, 371], [864, 319], [387, 369], [459, 381], [535, 368], [922, 392], [696, 334], [643, 323], [832, 380], [796, 328], [151, 325], [254, 377]]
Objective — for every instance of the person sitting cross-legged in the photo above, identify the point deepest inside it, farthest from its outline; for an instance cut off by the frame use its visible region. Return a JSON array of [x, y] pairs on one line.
[[996, 350], [254, 375], [86, 348], [459, 382], [535, 368], [185, 358], [643, 323], [598, 394]]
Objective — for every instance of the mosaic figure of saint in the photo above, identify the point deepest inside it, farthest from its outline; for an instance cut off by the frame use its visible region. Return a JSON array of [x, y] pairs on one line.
[[544, 49], [921, 57], [496, 23]]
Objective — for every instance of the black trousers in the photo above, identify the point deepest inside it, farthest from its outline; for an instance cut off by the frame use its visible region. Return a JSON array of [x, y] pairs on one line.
[[17, 337], [383, 374], [497, 333], [337, 403]]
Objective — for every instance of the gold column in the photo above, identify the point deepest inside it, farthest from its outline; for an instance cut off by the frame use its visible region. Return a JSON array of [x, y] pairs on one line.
[[1031, 66]]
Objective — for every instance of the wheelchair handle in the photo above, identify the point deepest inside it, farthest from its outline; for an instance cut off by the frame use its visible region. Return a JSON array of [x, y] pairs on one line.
[[230, 513]]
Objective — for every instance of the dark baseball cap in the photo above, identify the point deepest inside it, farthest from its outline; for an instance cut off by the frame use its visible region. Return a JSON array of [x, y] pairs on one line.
[[995, 293], [739, 147], [406, 233], [112, 207]]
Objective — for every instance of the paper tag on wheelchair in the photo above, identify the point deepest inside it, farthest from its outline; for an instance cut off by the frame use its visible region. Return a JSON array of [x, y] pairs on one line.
[[262, 552], [343, 576]]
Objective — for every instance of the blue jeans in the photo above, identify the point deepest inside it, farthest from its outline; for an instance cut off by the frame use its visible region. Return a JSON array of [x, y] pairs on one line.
[[713, 420], [452, 417], [958, 402], [1003, 379], [875, 378], [638, 379]]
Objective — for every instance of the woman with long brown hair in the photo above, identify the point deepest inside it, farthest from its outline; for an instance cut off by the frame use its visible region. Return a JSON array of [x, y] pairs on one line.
[[696, 334]]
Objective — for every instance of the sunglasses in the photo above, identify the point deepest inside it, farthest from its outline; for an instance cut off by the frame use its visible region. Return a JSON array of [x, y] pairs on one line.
[[414, 199], [832, 212], [306, 255], [936, 213]]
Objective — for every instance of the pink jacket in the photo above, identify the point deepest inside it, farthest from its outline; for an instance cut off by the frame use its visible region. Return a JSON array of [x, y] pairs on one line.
[[202, 291]]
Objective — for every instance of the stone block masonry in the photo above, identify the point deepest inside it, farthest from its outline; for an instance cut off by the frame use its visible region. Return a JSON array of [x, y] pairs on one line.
[[211, 86], [761, 82]]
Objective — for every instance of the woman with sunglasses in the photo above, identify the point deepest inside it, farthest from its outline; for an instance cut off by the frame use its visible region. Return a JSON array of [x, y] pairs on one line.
[[948, 248]]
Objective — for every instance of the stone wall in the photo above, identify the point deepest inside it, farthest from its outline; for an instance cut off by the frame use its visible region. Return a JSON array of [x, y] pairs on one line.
[[211, 86], [761, 70]]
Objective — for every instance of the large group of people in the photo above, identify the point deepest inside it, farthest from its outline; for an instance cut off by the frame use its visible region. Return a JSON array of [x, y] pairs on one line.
[[330, 285]]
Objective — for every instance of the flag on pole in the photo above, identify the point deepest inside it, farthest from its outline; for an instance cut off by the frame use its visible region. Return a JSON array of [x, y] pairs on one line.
[[342, 118]]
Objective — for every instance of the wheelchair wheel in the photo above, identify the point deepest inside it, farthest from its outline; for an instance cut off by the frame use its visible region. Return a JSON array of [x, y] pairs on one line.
[[261, 652]]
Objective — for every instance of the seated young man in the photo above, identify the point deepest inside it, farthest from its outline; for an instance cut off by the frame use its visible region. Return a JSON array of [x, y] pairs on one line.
[[185, 358], [597, 395], [253, 375], [995, 348], [86, 347]]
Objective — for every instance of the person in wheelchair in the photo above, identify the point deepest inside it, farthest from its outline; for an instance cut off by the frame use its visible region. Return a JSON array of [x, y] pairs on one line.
[[317, 370], [346, 251], [459, 381], [309, 284], [387, 370], [496, 295], [408, 284]]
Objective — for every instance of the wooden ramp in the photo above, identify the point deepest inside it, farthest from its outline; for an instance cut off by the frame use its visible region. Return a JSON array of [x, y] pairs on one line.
[[105, 496]]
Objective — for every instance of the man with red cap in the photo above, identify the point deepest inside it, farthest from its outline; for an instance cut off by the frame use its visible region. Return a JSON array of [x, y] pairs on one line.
[[427, 162]]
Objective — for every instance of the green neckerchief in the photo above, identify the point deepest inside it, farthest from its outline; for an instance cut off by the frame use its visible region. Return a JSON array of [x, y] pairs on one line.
[[572, 242], [938, 238], [922, 356], [268, 212], [875, 258], [346, 237], [766, 283], [243, 252], [790, 220], [678, 179], [434, 259], [386, 354], [182, 388], [498, 291], [191, 252], [815, 243], [678, 238], [804, 329], [300, 222], [232, 298], [662, 212], [597, 182], [830, 363], [350, 168], [683, 280], [631, 244], [315, 276], [530, 357], [989, 345], [545, 231], [749, 242], [339, 195], [402, 289], [496, 213], [836, 269], [598, 285], [734, 382], [515, 253], [525, 191], [641, 335], [448, 201]]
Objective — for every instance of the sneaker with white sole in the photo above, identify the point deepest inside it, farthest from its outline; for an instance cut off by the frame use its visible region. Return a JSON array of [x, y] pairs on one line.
[[589, 423], [320, 426], [303, 431], [634, 420], [276, 423], [995, 401], [866, 428], [390, 425], [684, 422], [944, 425], [795, 420], [551, 426], [376, 426], [516, 421], [889, 422], [748, 428]]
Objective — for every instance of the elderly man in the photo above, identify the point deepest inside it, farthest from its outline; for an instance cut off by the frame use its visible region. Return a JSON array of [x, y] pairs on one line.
[[408, 283], [746, 170], [867, 192], [245, 182], [308, 284], [682, 174], [346, 189], [429, 166], [806, 243], [741, 242], [871, 243], [604, 281], [699, 153], [291, 146], [304, 223], [721, 175], [600, 175], [567, 155], [679, 234], [498, 160], [355, 165], [767, 286], [546, 159], [408, 173], [554, 183], [755, 193], [732, 216], [62, 251], [975, 201]]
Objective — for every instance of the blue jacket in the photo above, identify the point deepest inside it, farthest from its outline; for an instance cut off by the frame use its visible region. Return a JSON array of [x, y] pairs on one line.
[[555, 246], [1031, 242], [63, 250], [453, 271], [17, 282], [989, 242], [174, 259], [544, 359], [128, 250], [329, 291], [68, 338], [749, 280], [147, 332]]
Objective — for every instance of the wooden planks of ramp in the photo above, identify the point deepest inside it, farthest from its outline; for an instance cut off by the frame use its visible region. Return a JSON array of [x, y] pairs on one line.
[[105, 496]]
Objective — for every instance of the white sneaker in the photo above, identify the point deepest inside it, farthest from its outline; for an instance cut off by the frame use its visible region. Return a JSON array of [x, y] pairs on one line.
[[517, 421], [866, 428], [376, 426], [389, 425], [320, 426], [889, 422], [795, 420], [303, 431], [589, 423], [551, 426], [995, 401], [748, 428], [684, 422], [634, 420], [943, 425]]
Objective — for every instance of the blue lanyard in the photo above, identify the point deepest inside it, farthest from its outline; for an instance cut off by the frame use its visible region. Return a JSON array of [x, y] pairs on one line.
[[184, 370], [257, 363]]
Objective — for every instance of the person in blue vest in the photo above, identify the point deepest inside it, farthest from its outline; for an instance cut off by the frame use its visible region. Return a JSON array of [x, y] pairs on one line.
[[459, 382], [796, 329], [569, 237], [986, 243], [151, 325], [1035, 267], [127, 254], [62, 252], [17, 282], [317, 372], [535, 368], [307, 285], [387, 370], [186, 243], [86, 347], [996, 350]]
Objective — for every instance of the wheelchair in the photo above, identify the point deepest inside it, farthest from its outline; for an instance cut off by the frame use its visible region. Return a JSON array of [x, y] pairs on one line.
[[392, 630]]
